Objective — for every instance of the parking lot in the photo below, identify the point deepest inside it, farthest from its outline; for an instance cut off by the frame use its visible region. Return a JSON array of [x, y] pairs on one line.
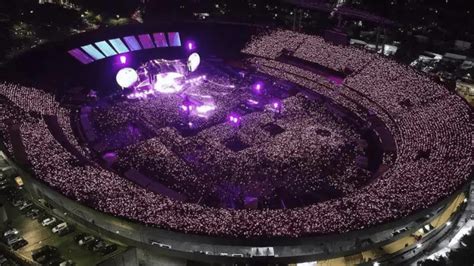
[[30, 227]]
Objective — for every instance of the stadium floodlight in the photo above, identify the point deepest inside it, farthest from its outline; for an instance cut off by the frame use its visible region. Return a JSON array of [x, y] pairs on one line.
[[126, 77]]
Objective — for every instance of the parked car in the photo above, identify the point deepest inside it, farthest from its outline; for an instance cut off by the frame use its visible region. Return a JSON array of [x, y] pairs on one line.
[[90, 245], [48, 221], [80, 236], [86, 240], [67, 263], [25, 206], [2, 259], [59, 227], [36, 215], [55, 261], [10, 240], [18, 202], [35, 254], [100, 245], [9, 232], [65, 231], [5, 187], [109, 248], [33, 213], [19, 244], [43, 260]]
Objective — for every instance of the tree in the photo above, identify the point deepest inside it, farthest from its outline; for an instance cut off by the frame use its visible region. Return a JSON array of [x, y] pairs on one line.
[[110, 7]]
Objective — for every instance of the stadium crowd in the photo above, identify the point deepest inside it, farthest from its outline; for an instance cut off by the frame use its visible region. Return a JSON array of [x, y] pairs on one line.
[[433, 136], [26, 103], [308, 47], [319, 152]]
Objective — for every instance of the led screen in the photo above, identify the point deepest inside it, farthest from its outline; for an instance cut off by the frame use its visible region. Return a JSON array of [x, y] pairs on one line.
[[81, 56], [119, 46], [105, 48], [93, 52], [174, 39], [146, 41], [132, 43], [160, 39]]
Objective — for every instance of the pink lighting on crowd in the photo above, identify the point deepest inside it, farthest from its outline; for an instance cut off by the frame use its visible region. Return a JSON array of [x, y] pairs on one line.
[[187, 108]]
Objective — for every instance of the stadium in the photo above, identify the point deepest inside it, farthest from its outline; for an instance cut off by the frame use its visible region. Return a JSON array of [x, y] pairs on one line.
[[236, 143]]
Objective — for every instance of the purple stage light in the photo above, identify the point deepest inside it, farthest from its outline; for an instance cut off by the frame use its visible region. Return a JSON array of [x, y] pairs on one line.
[[252, 102], [190, 45], [258, 87], [123, 59], [277, 106], [187, 105], [205, 108], [169, 82], [234, 119]]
